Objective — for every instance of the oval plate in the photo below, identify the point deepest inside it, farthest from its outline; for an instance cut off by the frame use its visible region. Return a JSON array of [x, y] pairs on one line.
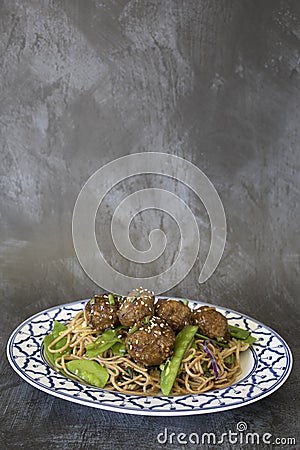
[[266, 366]]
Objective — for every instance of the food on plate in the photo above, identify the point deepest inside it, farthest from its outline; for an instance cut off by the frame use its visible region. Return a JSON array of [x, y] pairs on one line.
[[139, 345]]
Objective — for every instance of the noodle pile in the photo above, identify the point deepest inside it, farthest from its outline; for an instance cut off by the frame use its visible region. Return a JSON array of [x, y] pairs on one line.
[[196, 373]]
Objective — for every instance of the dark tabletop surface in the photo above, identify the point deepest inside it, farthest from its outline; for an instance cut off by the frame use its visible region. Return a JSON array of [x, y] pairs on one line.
[[84, 82]]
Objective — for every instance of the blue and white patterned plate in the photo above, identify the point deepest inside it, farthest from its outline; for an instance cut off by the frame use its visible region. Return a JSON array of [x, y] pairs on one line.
[[266, 366]]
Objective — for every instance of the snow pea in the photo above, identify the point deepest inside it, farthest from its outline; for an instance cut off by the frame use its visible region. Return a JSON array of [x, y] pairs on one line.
[[89, 371], [170, 370], [58, 327], [241, 334], [119, 348], [103, 342]]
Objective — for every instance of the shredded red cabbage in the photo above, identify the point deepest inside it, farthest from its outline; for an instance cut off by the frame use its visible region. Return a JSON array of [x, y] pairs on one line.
[[214, 364]]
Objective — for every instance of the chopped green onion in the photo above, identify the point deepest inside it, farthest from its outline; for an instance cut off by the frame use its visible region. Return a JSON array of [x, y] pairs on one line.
[[146, 320], [206, 372], [205, 366], [129, 370], [194, 345], [133, 329], [162, 365], [111, 299], [215, 341], [230, 359]]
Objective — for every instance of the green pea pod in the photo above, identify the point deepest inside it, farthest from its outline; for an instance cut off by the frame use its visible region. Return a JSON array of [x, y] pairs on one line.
[[170, 370], [241, 334], [89, 371], [58, 327], [119, 348], [102, 343]]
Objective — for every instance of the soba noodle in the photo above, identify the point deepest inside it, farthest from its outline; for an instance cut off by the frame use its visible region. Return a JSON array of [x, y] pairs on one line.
[[196, 373]]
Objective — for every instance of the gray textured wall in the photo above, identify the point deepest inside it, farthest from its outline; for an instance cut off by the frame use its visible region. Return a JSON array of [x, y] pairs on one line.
[[216, 82]]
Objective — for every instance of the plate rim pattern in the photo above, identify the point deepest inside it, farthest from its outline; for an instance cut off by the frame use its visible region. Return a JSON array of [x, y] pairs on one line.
[[146, 405]]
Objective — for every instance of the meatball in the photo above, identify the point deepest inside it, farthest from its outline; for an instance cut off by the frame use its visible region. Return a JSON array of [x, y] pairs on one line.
[[138, 305], [151, 344], [211, 322], [175, 313], [101, 312]]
